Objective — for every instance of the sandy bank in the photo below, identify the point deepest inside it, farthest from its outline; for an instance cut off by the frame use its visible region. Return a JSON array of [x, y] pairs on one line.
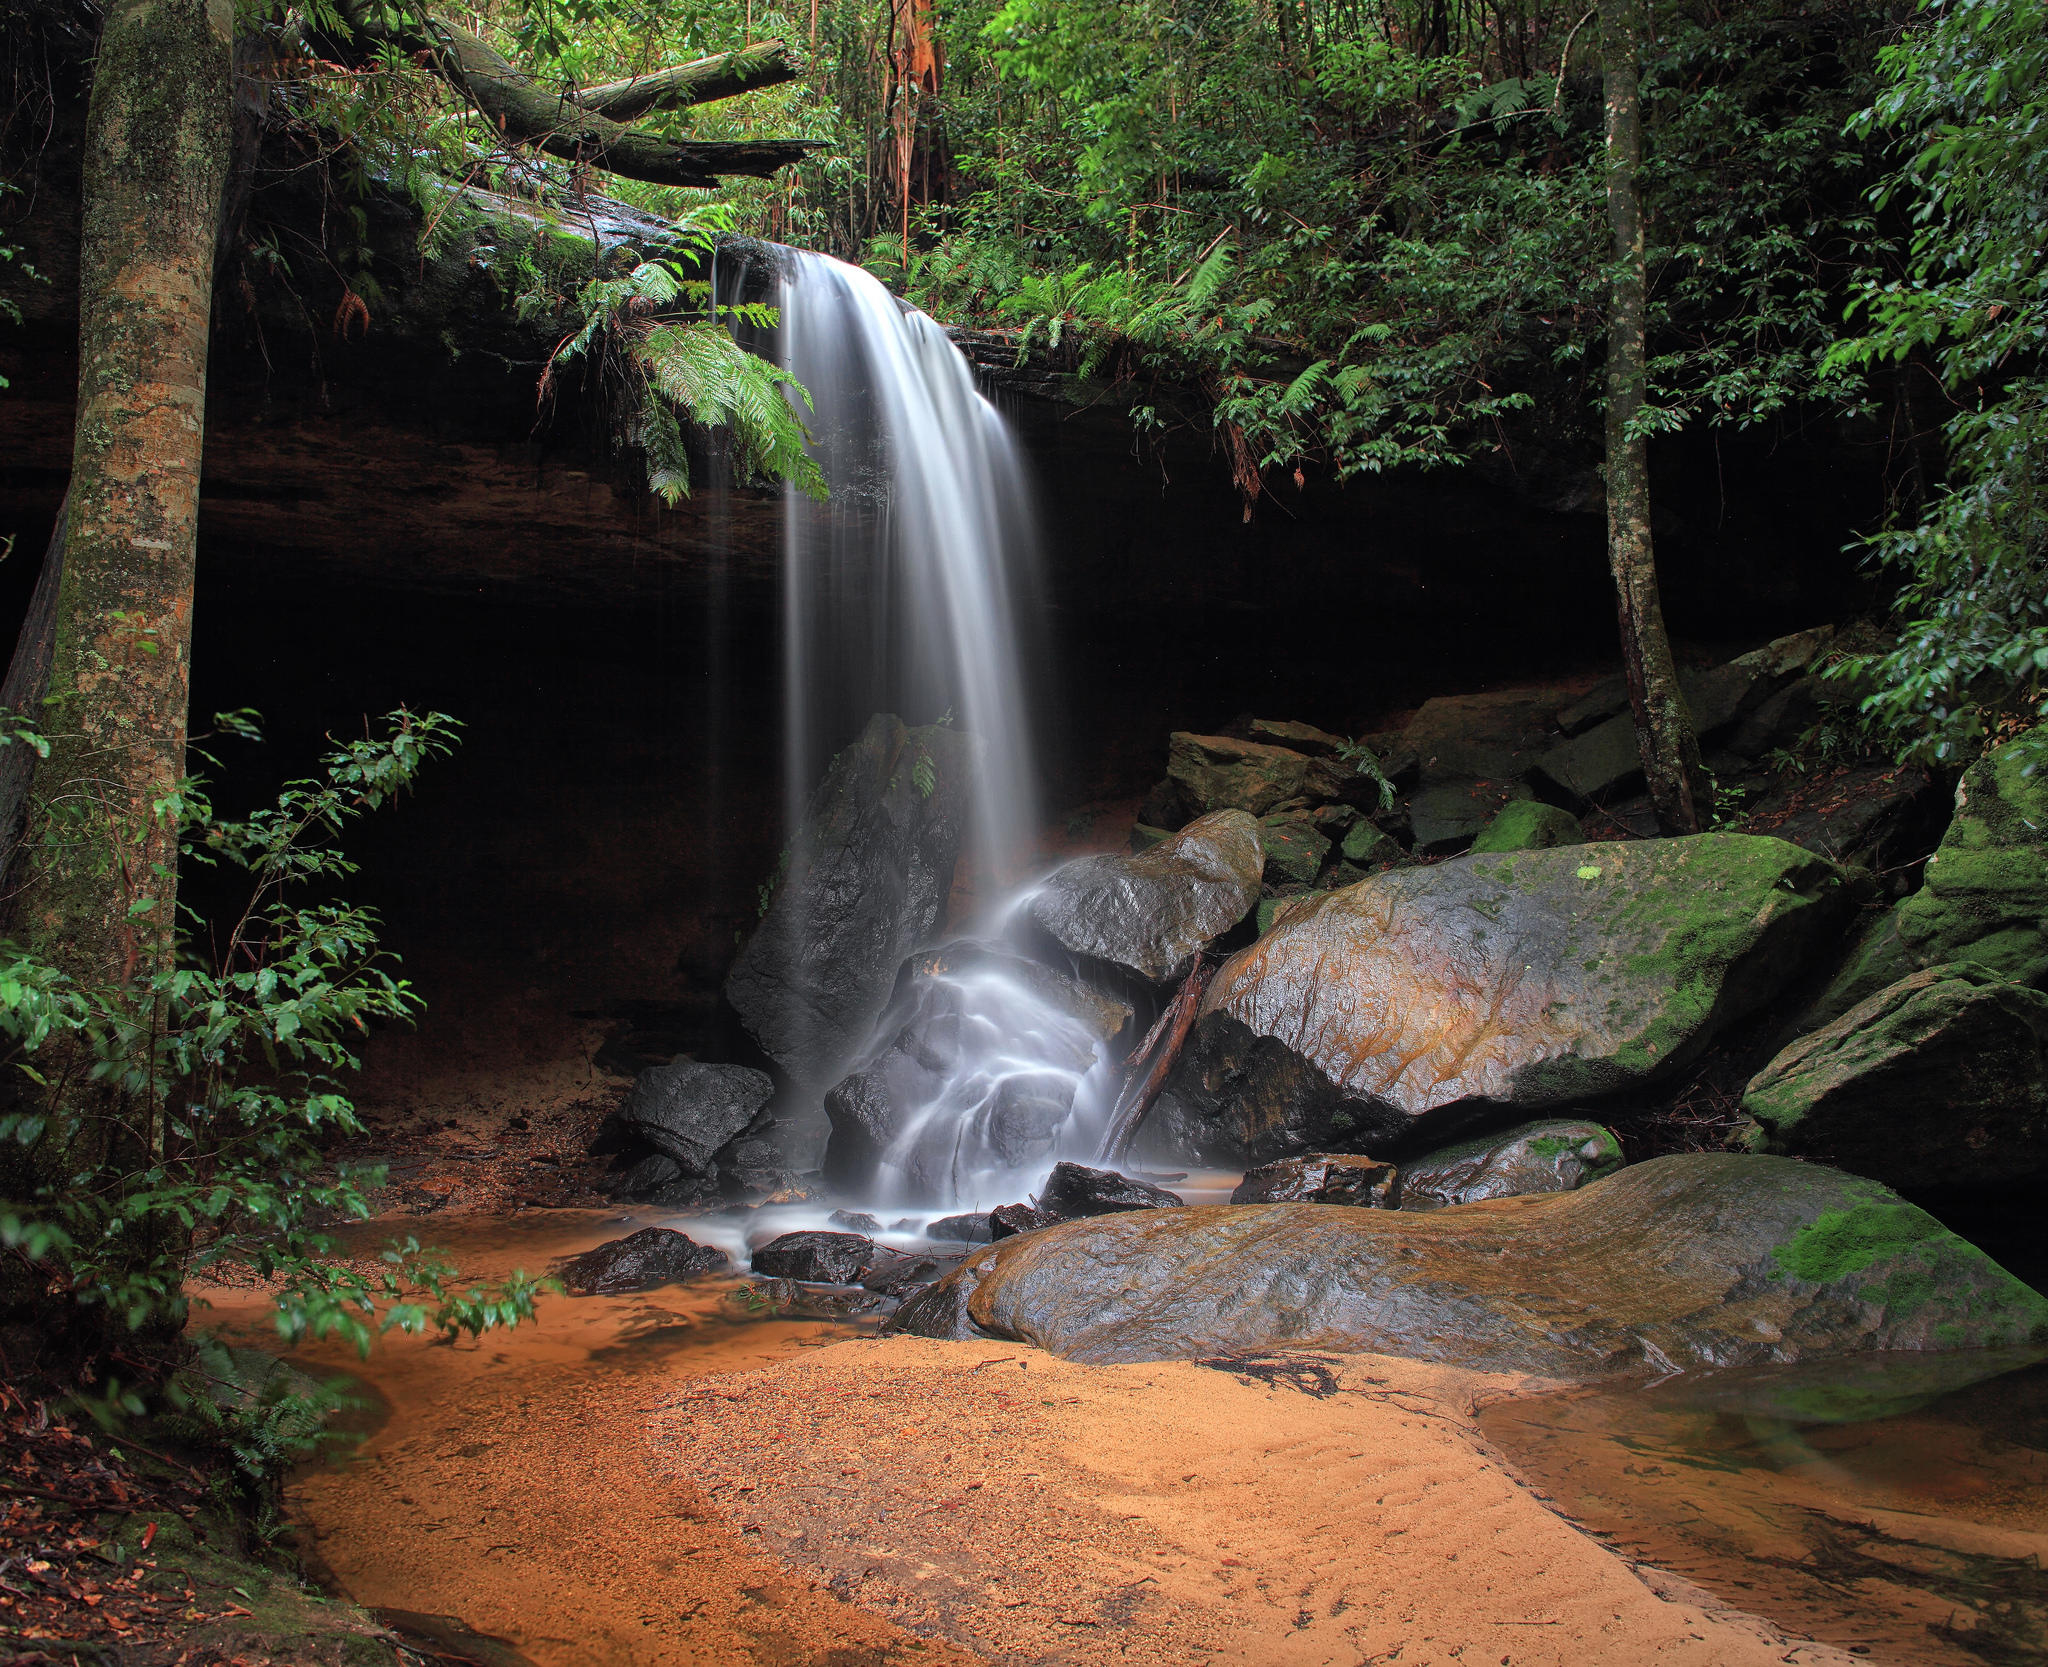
[[1036, 1511]]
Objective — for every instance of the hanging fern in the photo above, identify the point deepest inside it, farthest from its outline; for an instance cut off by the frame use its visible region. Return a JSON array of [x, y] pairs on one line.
[[656, 332]]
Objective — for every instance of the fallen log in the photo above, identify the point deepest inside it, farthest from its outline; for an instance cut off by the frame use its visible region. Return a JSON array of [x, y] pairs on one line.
[[764, 64], [1167, 1038]]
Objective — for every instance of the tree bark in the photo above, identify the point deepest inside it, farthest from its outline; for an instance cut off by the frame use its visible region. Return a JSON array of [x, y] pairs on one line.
[[100, 887], [764, 64], [522, 109], [1664, 734]]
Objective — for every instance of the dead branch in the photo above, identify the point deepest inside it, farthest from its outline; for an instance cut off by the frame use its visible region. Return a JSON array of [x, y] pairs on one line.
[[764, 64]]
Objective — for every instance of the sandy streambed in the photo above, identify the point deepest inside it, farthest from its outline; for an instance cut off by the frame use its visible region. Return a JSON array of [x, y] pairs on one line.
[[1341, 1511]]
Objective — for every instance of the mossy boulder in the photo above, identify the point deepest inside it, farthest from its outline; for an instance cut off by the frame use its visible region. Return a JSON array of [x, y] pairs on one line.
[[1695, 1261], [1368, 847], [1939, 1079], [1986, 893], [1530, 825], [1552, 1156], [1147, 915], [1295, 849], [1402, 1012]]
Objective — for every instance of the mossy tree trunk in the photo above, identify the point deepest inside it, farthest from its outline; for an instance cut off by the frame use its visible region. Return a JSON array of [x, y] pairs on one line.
[[99, 883], [1664, 733]]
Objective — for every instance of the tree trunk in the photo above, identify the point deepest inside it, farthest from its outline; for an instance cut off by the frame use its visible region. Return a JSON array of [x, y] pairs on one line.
[[100, 885], [764, 64], [27, 681], [1664, 736]]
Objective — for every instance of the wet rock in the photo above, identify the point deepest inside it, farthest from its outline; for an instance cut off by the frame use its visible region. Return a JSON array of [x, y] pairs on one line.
[[1682, 1263], [1529, 825], [971, 1227], [1395, 1014], [1295, 849], [1073, 1190], [1871, 814], [1985, 898], [1368, 848], [1270, 909], [1446, 817], [653, 1172], [687, 1110], [1008, 1220], [1150, 914], [1938, 1080], [892, 1275], [868, 876], [1219, 772], [1320, 1178], [1555, 1156], [1490, 737], [855, 1221], [641, 1261], [1143, 838], [957, 1016], [1297, 737], [815, 1258], [793, 1299]]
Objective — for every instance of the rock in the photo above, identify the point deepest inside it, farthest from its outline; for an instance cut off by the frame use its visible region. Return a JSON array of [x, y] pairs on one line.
[[970, 1228], [1073, 1190], [1008, 1220], [1447, 816], [1217, 772], [752, 1152], [1604, 700], [951, 1029], [640, 1262], [1530, 825], [1489, 737], [868, 876], [1320, 1178], [1537, 1157], [1144, 838], [1298, 737], [1683, 1263], [1596, 762], [649, 1175], [1165, 807], [1150, 914], [1395, 1014], [791, 1299], [1369, 848], [1271, 909], [1295, 849], [1334, 820], [1399, 762], [892, 1275], [1781, 720], [687, 1110], [855, 1221], [816, 1258], [1985, 897], [1872, 814], [1938, 1080]]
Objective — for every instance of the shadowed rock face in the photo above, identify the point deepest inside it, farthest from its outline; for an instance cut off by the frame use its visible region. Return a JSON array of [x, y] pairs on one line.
[[1939, 1079], [641, 1261], [1149, 914], [1686, 1262], [686, 1110], [868, 876], [1401, 1009]]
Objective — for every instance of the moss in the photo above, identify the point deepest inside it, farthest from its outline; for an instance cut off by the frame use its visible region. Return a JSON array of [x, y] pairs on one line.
[[1529, 825], [1839, 1243]]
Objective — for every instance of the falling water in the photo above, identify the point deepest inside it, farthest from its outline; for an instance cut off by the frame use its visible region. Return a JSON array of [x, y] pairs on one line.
[[905, 589]]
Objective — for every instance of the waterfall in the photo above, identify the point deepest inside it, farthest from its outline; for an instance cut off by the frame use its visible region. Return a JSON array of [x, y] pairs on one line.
[[904, 590]]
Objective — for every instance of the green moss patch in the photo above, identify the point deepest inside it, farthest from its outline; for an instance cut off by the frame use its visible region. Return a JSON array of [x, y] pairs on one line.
[[1838, 1243]]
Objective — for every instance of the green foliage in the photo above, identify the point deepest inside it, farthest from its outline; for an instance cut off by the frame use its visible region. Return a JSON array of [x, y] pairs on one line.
[[212, 1084], [643, 327], [1966, 89]]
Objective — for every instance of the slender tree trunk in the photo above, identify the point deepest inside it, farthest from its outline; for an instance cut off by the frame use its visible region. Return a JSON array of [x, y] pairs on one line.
[[21, 693], [100, 871], [1664, 736]]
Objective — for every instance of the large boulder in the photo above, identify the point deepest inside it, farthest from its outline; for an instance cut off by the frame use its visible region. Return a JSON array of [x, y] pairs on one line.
[[641, 1261], [1986, 893], [1553, 1156], [686, 1110], [1702, 1260], [1939, 1079], [814, 1258], [1473, 751], [1220, 772], [1400, 1012], [1321, 1178], [1074, 1190], [868, 874], [1529, 825], [972, 1074], [1150, 914]]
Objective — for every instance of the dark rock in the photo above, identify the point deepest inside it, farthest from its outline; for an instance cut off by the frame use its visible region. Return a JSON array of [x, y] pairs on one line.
[[1320, 1178], [1985, 898], [1682, 1263], [958, 1012], [1604, 700], [1873, 814], [1073, 1190], [1008, 1220], [752, 1152], [1369, 848], [1396, 1014], [794, 1299], [855, 1221], [1446, 817], [1529, 825], [1595, 763], [1938, 1080], [1219, 772], [969, 1228], [687, 1110], [1143, 838], [1398, 760], [869, 872], [685, 1193], [1166, 807], [1295, 849], [1781, 720], [816, 1258], [1489, 737], [1150, 914], [892, 1275], [1297, 737], [649, 1175], [640, 1262], [1537, 1157]]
